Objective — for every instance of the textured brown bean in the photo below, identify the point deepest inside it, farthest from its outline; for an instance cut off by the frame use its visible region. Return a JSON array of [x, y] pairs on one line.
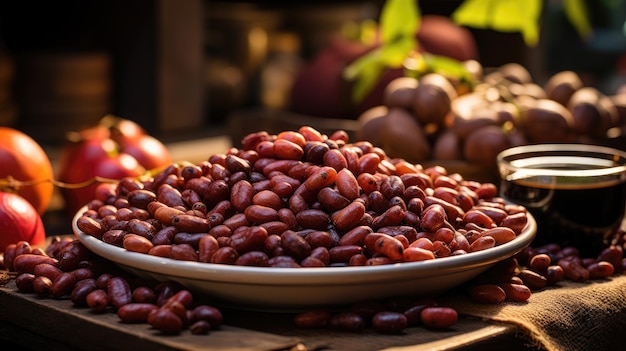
[[83, 273], [90, 226], [478, 217], [163, 250], [573, 270], [453, 212], [540, 263], [241, 195], [253, 258], [78, 296], [347, 184], [42, 285], [388, 246], [191, 224], [225, 255], [323, 176], [319, 238], [368, 163], [346, 321], [260, 214], [136, 312], [313, 319], [433, 217], [516, 221], [487, 294], [144, 294], [236, 221], [26, 263], [268, 198], [611, 254], [169, 195], [554, 274], [166, 215], [600, 270], [63, 284], [343, 253], [355, 236], [389, 322], [249, 239], [412, 254], [165, 321], [393, 216], [482, 243], [313, 219], [206, 248], [486, 191], [137, 243], [496, 214], [207, 313], [97, 300], [119, 292], [516, 292], [183, 252], [331, 200], [287, 150], [47, 270], [9, 256], [439, 317], [321, 253], [24, 282], [500, 234], [532, 279], [140, 198], [349, 216], [392, 186], [294, 245]]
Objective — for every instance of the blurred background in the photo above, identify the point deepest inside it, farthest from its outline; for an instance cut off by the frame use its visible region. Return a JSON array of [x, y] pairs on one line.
[[181, 68], [200, 74]]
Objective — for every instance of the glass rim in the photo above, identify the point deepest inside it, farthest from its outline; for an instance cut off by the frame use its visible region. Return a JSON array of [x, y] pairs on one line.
[[615, 163]]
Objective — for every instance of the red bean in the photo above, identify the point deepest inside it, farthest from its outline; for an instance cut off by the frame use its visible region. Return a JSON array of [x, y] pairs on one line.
[[389, 322], [439, 317]]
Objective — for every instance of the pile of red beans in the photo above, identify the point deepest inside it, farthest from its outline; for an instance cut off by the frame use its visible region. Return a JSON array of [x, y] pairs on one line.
[[66, 269], [298, 199], [302, 199]]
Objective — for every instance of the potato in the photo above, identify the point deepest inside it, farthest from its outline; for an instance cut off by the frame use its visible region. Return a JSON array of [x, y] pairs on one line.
[[515, 73], [400, 92], [561, 86], [484, 144], [471, 111], [402, 136], [593, 112], [547, 121], [371, 123], [447, 146], [432, 99]]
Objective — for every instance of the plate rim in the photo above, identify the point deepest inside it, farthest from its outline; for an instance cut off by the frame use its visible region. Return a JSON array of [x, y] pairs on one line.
[[224, 273]]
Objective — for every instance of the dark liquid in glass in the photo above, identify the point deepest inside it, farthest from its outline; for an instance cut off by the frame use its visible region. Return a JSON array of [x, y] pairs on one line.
[[583, 214]]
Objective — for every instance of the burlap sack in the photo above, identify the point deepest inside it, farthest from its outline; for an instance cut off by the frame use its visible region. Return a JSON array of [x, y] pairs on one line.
[[572, 316]]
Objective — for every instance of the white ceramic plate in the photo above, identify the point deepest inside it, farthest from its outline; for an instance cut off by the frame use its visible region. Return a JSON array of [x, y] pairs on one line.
[[267, 288]]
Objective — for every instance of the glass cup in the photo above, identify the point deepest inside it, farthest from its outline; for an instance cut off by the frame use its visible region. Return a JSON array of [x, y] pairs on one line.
[[577, 193]]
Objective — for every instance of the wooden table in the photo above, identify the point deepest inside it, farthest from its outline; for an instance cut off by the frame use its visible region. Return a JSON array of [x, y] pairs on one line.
[[28, 322]]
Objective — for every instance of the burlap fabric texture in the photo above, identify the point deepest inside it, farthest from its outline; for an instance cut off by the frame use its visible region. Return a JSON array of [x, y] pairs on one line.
[[571, 316]]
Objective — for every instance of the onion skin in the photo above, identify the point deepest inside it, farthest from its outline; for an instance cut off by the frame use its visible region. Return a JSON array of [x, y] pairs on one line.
[[19, 220], [24, 160]]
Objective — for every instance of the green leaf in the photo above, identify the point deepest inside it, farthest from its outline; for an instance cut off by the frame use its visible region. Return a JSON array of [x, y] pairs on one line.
[[398, 18], [367, 80], [399, 22], [576, 12], [502, 15], [447, 66]]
